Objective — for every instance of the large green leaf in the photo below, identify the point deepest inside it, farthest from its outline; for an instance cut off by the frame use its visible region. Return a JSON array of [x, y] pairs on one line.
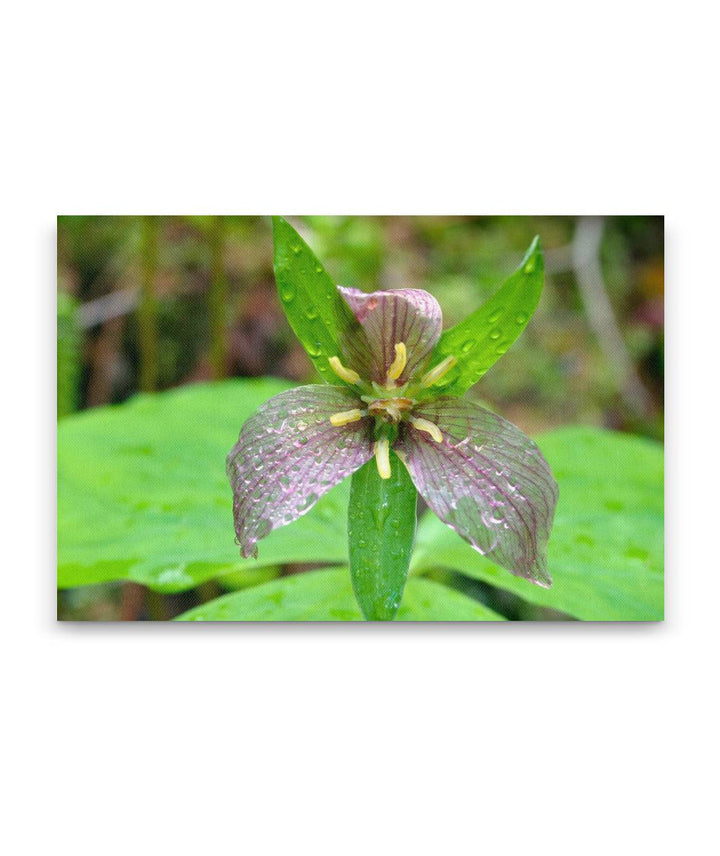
[[316, 311], [381, 531], [606, 548], [143, 495], [483, 337], [328, 596]]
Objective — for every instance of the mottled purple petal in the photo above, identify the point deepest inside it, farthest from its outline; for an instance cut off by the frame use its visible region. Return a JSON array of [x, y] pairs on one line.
[[289, 455], [487, 481], [387, 318]]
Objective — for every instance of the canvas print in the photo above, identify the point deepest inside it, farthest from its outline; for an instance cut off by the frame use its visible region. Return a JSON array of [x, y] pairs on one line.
[[346, 418]]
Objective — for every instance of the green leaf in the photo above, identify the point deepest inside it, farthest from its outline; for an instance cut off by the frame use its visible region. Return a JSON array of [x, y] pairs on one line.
[[606, 549], [427, 600], [381, 530], [143, 495], [486, 334], [328, 596], [317, 313]]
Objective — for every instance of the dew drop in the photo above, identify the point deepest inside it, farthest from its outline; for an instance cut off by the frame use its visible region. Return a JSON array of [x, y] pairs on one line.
[[521, 318], [530, 266], [287, 293], [467, 346], [495, 334], [318, 269], [313, 348], [297, 249], [495, 316], [311, 313]]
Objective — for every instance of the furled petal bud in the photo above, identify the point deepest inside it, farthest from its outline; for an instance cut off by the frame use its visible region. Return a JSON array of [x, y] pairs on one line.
[[406, 316]]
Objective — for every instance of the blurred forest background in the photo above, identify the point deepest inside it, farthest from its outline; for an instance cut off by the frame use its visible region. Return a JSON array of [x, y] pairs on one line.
[[150, 303]]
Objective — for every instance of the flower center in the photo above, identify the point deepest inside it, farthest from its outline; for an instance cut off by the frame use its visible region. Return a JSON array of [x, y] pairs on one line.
[[390, 409], [390, 405]]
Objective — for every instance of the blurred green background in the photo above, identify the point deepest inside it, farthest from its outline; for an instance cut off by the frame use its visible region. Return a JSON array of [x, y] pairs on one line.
[[151, 303]]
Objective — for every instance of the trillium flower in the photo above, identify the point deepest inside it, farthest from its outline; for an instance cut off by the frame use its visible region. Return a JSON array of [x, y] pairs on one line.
[[479, 473]]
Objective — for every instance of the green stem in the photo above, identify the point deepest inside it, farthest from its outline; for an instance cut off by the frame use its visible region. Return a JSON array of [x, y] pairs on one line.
[[217, 300], [147, 310], [381, 531]]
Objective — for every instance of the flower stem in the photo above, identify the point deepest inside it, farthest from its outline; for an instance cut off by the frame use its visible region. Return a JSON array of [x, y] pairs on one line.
[[381, 530]]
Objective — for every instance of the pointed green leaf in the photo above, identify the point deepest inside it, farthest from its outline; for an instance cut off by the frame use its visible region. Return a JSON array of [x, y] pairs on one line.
[[316, 311], [484, 336], [606, 549], [327, 595], [381, 530]]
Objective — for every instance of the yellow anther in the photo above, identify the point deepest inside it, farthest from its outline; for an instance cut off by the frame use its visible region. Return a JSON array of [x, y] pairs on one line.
[[399, 363], [429, 428], [347, 416], [382, 457], [342, 372], [441, 369]]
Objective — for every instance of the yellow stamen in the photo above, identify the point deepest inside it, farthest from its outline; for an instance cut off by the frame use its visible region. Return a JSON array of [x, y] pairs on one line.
[[382, 457], [429, 427], [342, 372], [347, 416], [441, 369], [399, 363]]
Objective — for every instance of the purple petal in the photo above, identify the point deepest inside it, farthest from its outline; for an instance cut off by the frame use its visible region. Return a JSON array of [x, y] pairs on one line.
[[289, 455], [487, 481], [387, 318]]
